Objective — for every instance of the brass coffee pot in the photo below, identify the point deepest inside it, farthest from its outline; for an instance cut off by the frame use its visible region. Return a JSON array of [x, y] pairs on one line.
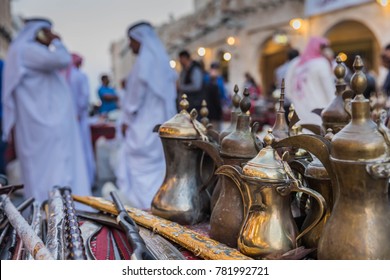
[[358, 163], [337, 114], [182, 197], [215, 149], [265, 184], [235, 149], [280, 128]]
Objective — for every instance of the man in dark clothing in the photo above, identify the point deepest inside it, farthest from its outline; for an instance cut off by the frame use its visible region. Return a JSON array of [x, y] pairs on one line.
[[386, 62], [214, 88], [3, 144], [191, 80]]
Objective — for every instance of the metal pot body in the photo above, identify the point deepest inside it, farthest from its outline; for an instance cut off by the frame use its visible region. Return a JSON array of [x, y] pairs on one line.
[[228, 212], [181, 197], [359, 227]]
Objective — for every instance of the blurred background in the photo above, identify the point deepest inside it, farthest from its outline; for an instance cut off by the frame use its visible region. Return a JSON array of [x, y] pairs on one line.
[[242, 35]]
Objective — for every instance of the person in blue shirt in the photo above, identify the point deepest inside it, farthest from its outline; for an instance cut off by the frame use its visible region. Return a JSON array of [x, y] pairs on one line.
[[107, 95]]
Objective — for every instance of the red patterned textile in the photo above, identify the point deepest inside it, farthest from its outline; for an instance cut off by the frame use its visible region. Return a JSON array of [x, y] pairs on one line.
[[102, 244]]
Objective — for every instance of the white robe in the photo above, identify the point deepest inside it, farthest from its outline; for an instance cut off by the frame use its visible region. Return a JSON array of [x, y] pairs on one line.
[[141, 168], [310, 86], [47, 137], [149, 100], [79, 85]]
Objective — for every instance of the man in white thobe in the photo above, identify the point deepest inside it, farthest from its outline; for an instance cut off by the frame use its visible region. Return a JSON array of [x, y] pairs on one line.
[[79, 85], [37, 103], [310, 81], [149, 100]]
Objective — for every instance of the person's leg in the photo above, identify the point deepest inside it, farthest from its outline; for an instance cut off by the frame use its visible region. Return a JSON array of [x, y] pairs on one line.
[[3, 147]]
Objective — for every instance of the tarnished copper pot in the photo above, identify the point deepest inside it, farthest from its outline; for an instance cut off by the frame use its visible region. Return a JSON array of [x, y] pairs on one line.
[[236, 148]]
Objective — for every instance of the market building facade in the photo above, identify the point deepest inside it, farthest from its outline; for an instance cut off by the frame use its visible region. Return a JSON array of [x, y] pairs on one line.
[[253, 35], [5, 26]]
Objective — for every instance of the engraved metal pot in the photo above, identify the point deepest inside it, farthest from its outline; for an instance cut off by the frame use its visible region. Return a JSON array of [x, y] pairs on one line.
[[358, 163], [265, 184], [182, 196]]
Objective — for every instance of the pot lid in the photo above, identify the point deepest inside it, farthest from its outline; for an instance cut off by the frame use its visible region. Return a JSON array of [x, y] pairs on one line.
[[361, 139], [267, 164], [182, 125]]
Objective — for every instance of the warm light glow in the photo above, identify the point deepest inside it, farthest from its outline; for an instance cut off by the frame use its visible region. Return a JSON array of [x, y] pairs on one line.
[[201, 51], [383, 3], [280, 38], [343, 56], [227, 56], [172, 63], [296, 23], [231, 41]]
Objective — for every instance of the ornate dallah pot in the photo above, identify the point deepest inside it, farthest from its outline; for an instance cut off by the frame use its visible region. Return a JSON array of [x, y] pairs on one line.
[[359, 227], [265, 184], [236, 148], [182, 196], [357, 160]]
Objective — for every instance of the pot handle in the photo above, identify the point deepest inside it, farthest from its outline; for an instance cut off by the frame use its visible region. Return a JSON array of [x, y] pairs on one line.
[[209, 148], [255, 127], [299, 166], [297, 187], [234, 172], [210, 181]]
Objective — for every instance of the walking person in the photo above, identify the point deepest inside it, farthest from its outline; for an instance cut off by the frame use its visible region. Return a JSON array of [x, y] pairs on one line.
[[149, 100], [107, 95]]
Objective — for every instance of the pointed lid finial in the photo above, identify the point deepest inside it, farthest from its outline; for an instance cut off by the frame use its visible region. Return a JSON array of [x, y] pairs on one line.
[[204, 112], [236, 98], [269, 138], [245, 103], [184, 104], [340, 69], [281, 98], [280, 127], [267, 165], [358, 80]]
